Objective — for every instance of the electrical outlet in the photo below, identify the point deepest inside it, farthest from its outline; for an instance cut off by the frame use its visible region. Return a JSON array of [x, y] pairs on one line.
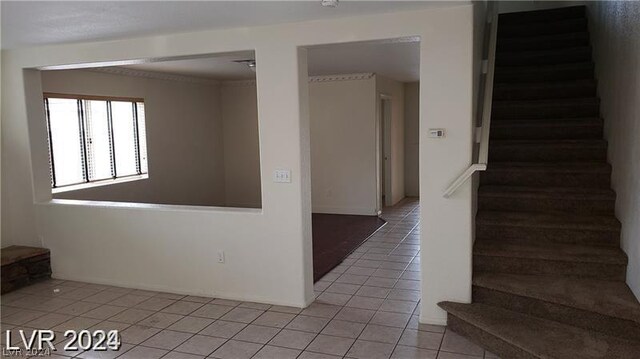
[[220, 256]]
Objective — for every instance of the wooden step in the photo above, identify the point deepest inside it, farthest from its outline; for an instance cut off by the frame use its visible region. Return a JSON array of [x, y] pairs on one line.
[[545, 42], [604, 306], [544, 90], [548, 150], [557, 259], [549, 228], [561, 26], [578, 128], [543, 16], [515, 335], [547, 73], [544, 57], [22, 266], [544, 109], [586, 174], [547, 199]]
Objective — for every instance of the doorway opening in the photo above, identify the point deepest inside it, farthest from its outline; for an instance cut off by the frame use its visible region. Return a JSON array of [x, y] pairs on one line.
[[357, 134], [385, 148]]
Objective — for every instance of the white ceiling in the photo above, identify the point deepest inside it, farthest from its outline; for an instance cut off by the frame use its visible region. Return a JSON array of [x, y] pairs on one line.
[[30, 23], [399, 60]]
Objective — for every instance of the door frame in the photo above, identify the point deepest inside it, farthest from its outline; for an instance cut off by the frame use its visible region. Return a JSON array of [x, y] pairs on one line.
[[383, 151]]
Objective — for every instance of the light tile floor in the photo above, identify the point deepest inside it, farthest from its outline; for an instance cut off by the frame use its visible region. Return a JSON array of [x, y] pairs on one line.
[[366, 308]]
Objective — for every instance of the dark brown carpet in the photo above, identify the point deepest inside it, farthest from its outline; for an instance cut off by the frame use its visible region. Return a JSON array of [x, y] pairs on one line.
[[335, 236]]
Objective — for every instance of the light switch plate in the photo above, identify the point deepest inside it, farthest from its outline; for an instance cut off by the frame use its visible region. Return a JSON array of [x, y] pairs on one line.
[[282, 176]]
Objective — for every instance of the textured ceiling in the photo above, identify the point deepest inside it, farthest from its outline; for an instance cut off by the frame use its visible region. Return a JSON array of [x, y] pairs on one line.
[[31, 23]]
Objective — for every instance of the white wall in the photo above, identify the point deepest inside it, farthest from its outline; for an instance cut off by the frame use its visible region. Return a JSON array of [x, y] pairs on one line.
[[184, 137], [615, 33], [128, 245], [241, 144], [411, 138], [343, 146], [395, 89]]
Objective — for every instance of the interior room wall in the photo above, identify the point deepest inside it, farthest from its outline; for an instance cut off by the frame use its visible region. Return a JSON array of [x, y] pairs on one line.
[[395, 89], [184, 137], [131, 245], [239, 105], [343, 162], [343, 146], [615, 34], [411, 138]]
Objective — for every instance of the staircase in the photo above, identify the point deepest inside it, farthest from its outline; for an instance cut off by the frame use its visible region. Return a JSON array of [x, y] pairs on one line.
[[548, 273]]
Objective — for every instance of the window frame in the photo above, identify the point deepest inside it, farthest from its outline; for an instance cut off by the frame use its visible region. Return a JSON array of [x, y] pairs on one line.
[[84, 143]]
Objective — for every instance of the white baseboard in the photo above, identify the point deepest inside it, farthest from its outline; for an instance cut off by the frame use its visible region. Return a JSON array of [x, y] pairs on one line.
[[160, 288]]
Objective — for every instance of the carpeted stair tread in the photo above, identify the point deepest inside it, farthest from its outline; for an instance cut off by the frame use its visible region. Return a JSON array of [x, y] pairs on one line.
[[560, 26], [609, 298], [582, 167], [514, 335], [576, 128], [544, 57], [546, 73], [544, 109], [547, 192], [551, 41], [541, 174], [544, 90], [553, 252], [549, 220], [570, 150], [544, 15]]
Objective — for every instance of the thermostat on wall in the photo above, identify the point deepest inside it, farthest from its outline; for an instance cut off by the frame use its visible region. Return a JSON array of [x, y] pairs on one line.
[[436, 132]]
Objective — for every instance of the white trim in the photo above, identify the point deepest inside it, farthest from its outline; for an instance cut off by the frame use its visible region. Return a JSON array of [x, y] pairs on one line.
[[173, 290], [323, 78], [342, 77], [147, 206], [100, 183]]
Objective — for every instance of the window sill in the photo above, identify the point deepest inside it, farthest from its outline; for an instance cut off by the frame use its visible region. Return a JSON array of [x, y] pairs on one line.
[[101, 183]]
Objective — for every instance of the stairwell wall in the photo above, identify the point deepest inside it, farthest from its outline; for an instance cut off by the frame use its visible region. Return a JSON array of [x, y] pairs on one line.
[[615, 32]]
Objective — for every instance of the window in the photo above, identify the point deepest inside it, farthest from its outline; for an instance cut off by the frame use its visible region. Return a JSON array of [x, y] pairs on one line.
[[95, 139]]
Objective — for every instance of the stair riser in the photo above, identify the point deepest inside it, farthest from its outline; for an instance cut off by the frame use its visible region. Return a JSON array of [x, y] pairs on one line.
[[536, 235], [541, 179], [534, 92], [574, 12], [560, 313], [615, 272], [541, 29], [486, 340], [543, 43], [532, 204], [544, 58], [504, 75], [546, 132], [541, 153], [535, 111]]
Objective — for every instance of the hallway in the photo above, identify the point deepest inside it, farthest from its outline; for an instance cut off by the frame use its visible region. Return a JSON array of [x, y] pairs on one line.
[[366, 308]]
